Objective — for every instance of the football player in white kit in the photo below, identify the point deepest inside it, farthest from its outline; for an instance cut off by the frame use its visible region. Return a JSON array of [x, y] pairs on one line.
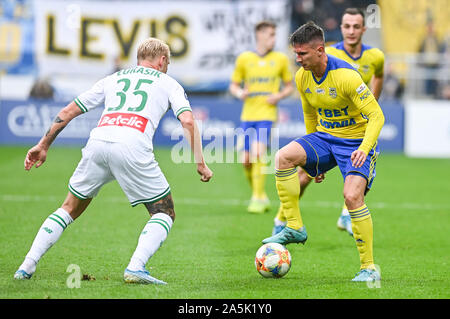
[[121, 148]]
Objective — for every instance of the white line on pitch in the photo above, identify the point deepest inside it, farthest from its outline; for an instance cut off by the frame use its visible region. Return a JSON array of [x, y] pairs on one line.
[[233, 202]]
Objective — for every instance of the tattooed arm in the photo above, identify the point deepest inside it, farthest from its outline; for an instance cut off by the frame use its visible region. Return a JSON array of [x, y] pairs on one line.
[[38, 153]]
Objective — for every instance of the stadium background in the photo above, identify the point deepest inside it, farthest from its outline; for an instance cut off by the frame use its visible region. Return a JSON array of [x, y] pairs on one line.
[[50, 51], [66, 46]]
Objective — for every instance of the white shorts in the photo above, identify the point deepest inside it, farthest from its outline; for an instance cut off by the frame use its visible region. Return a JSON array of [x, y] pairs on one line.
[[136, 171]]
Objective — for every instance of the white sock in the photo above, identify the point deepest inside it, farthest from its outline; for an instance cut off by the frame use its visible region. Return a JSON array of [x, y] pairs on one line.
[[345, 211], [48, 234], [152, 237], [278, 222]]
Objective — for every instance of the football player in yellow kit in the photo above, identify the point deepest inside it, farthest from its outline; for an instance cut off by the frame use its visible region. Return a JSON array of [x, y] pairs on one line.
[[369, 62], [257, 80], [343, 121]]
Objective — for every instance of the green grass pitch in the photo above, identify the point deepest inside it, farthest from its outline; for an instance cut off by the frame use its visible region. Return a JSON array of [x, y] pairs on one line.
[[210, 250]]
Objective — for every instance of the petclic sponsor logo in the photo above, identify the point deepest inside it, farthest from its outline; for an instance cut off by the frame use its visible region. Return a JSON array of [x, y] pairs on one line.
[[124, 119]]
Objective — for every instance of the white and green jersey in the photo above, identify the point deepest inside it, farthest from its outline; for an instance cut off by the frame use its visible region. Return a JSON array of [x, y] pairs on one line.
[[135, 100]]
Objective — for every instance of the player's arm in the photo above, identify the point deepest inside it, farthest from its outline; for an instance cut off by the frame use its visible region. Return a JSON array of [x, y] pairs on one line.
[[287, 90], [38, 153], [309, 113], [375, 116], [237, 78], [237, 91], [368, 106], [375, 123], [288, 85], [376, 83], [192, 134], [88, 100], [376, 86], [310, 117]]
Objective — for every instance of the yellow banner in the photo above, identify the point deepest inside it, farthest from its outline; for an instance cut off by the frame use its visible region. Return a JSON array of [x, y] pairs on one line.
[[405, 23]]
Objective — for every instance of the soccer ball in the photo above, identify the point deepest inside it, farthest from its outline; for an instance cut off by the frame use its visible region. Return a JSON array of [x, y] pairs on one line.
[[273, 260]]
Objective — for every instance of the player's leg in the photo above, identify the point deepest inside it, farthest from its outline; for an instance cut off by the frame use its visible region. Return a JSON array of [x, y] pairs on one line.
[[259, 202], [288, 187], [49, 233], [143, 182], [247, 165], [354, 190], [280, 219], [87, 179], [152, 237], [248, 135], [259, 136]]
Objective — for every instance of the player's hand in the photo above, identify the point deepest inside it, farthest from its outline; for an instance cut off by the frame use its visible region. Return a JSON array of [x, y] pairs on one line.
[[204, 171], [243, 94], [319, 178], [36, 155], [273, 99], [358, 158]]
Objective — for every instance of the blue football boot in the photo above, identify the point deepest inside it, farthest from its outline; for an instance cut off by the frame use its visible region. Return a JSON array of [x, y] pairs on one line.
[[365, 275], [288, 236], [141, 277]]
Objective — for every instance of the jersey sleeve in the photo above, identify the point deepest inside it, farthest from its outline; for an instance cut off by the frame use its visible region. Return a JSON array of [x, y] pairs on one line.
[[379, 64], [330, 50], [92, 98], [361, 96], [178, 100], [309, 113], [286, 74], [238, 72]]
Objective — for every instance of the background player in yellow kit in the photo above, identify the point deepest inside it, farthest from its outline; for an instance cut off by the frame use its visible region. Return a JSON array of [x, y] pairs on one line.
[[343, 121], [257, 80], [369, 62]]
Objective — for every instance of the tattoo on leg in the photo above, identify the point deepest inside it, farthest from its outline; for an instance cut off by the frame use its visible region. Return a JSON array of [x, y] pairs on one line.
[[164, 205]]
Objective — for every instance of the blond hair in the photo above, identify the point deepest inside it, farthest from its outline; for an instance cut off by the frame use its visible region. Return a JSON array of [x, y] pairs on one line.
[[152, 48]]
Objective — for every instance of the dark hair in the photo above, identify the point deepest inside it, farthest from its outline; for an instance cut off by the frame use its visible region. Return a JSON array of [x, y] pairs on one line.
[[355, 11], [264, 24], [307, 33]]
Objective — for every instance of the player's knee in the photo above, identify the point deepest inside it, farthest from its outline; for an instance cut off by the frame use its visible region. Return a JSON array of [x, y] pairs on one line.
[[246, 160], [282, 161], [353, 199]]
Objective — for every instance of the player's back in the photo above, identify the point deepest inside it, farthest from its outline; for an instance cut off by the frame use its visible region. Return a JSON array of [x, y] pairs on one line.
[[135, 100], [370, 62]]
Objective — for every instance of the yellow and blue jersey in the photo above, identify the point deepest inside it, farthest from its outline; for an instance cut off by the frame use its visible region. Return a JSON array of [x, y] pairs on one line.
[[340, 103], [370, 62], [262, 76]]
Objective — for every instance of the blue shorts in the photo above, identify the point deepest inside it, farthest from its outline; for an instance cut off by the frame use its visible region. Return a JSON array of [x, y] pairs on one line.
[[256, 131], [324, 152]]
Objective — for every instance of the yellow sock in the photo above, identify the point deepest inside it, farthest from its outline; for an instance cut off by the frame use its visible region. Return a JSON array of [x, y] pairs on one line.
[[258, 180], [363, 234], [344, 208], [288, 187], [280, 214], [248, 174]]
